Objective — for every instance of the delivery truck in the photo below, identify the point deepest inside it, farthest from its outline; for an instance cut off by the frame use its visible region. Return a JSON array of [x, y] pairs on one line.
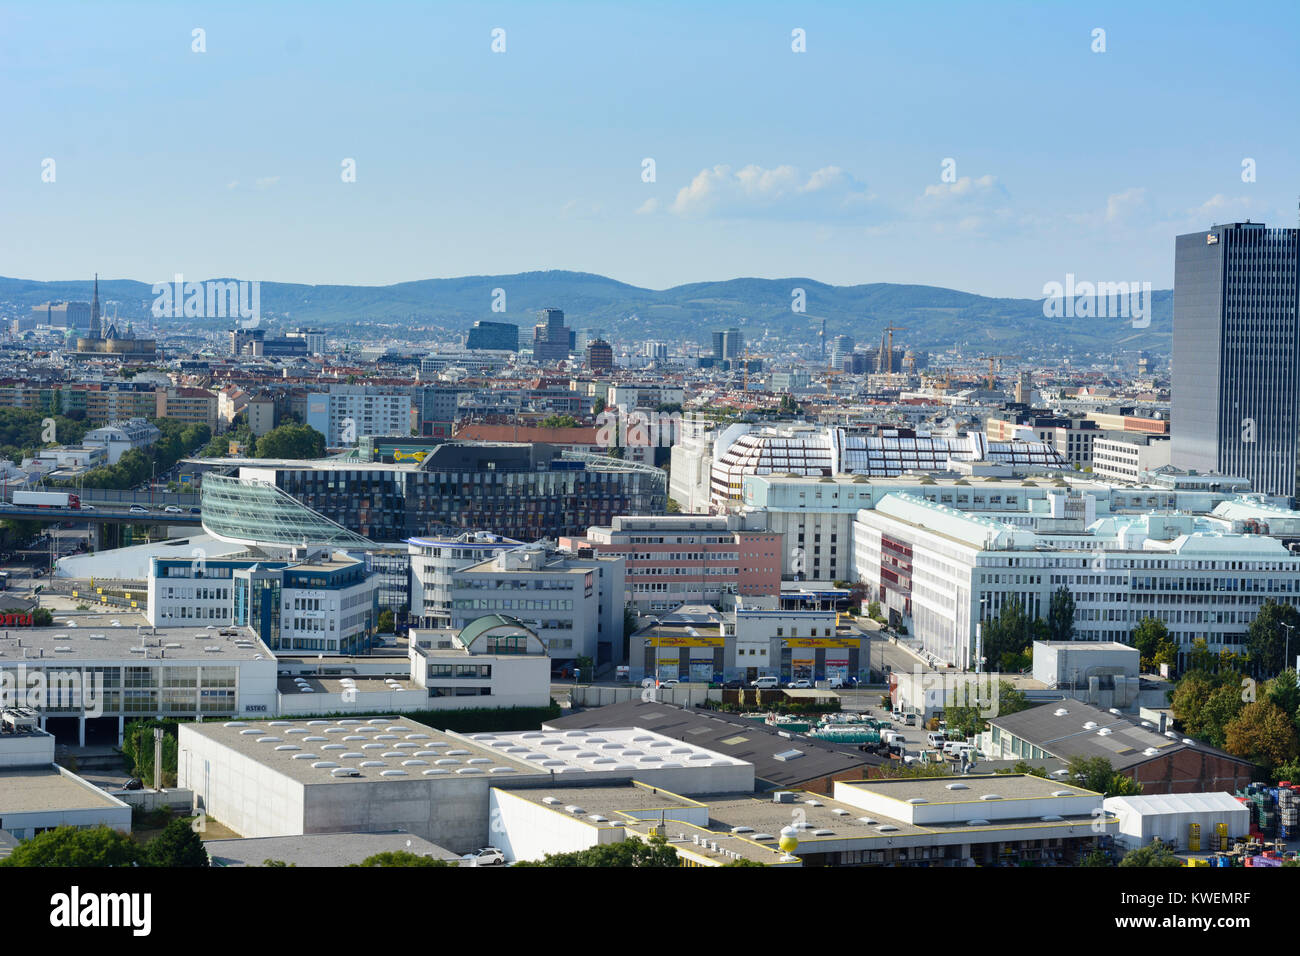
[[46, 499]]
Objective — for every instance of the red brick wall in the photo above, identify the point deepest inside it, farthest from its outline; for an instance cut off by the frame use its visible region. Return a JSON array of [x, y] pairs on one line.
[[1191, 771]]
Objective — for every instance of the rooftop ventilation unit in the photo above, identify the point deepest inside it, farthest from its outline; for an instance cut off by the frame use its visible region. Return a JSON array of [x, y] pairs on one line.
[[991, 796], [957, 786], [1060, 712]]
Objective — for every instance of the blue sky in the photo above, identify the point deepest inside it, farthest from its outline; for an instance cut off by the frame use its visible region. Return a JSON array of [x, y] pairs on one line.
[[824, 164]]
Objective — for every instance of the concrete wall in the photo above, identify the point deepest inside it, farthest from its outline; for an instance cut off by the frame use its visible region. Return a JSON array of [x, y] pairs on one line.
[[153, 799], [247, 796], [686, 695], [26, 750], [525, 830], [447, 811]]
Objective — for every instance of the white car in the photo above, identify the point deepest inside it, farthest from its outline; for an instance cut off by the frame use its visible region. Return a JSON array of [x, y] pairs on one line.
[[766, 683], [172, 510], [137, 510], [87, 507], [802, 684], [835, 683], [485, 856]]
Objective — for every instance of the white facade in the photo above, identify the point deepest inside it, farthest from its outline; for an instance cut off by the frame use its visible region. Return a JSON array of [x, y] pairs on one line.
[[1128, 460], [120, 437], [1169, 817], [432, 562], [574, 604], [347, 413], [943, 570]]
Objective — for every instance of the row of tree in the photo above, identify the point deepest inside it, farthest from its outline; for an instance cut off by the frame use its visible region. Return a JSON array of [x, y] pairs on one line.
[[290, 440], [177, 845]]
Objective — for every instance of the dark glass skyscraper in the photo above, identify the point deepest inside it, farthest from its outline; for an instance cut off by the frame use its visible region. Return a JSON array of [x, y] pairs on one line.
[[1236, 362], [502, 336]]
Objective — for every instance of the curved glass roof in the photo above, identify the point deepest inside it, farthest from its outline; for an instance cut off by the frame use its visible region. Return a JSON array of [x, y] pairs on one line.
[[491, 622], [255, 513]]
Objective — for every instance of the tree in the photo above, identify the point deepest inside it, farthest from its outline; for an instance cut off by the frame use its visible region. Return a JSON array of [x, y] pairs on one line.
[[138, 747], [1095, 857], [401, 858], [970, 719], [788, 406], [1263, 733], [387, 623], [559, 421], [1284, 691], [628, 853], [291, 441], [42, 617], [68, 846], [873, 610], [1148, 636], [597, 406], [1154, 854], [1060, 615], [1266, 640], [1011, 632], [177, 845], [1022, 767], [277, 863], [1096, 774], [743, 861], [674, 507]]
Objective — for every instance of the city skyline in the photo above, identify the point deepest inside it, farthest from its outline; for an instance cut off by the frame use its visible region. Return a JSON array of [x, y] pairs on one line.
[[758, 169]]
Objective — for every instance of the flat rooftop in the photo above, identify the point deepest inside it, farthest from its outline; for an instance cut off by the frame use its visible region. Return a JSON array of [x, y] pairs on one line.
[[321, 849], [37, 789], [379, 748], [602, 750], [96, 639], [977, 786], [288, 686]]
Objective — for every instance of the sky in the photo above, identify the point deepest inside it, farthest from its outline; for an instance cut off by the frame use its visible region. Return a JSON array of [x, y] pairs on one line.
[[990, 147]]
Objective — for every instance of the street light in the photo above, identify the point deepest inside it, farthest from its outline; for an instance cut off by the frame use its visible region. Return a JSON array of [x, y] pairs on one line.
[[1286, 654]]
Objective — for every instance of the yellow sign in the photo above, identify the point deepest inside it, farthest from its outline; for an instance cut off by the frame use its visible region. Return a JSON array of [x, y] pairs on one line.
[[669, 660], [685, 641], [399, 455], [842, 642]]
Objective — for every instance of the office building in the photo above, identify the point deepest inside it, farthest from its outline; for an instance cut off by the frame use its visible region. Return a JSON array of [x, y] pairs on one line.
[[842, 349], [1236, 358], [728, 345], [600, 357], [120, 437], [433, 562], [690, 559], [574, 604], [1129, 457], [552, 340], [522, 491], [494, 336]]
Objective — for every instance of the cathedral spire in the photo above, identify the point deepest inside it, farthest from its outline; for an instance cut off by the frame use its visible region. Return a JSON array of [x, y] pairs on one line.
[[94, 311]]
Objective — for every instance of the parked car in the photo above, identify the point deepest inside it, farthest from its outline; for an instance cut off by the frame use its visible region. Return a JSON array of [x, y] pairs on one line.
[[735, 684], [485, 856], [801, 684], [836, 683], [670, 682], [135, 783], [766, 683]]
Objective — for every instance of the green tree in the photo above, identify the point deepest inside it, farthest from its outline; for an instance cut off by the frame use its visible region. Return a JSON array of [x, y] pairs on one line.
[[68, 846], [401, 858], [1011, 632], [387, 622], [1060, 615], [1284, 691], [291, 441], [1149, 634], [1097, 774], [1095, 857], [1022, 767], [1267, 637], [597, 406], [674, 507], [42, 617], [788, 406], [559, 421], [970, 720], [1154, 854], [628, 853], [177, 845], [277, 863], [1263, 733], [138, 748], [743, 861], [873, 610]]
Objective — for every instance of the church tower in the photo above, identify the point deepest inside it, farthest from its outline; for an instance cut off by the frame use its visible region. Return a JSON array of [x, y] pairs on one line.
[[93, 333]]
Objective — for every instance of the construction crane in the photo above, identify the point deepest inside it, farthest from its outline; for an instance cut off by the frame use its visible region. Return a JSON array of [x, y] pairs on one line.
[[886, 363], [991, 360]]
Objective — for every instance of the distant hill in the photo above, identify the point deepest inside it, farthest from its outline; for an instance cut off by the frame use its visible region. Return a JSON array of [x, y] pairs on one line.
[[931, 317]]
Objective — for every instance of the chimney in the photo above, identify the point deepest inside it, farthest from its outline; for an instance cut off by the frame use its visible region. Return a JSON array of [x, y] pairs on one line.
[[1163, 720]]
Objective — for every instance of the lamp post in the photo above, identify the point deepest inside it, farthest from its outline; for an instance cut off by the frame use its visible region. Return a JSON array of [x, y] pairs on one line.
[[1286, 654]]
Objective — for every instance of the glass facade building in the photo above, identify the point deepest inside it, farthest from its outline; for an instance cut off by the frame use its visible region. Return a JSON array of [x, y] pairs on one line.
[[1236, 358]]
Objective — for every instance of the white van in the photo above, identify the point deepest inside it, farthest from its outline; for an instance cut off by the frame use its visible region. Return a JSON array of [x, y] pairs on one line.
[[935, 739], [767, 682]]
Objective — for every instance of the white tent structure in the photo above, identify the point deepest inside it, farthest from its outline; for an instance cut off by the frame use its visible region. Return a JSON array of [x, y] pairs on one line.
[[1170, 816]]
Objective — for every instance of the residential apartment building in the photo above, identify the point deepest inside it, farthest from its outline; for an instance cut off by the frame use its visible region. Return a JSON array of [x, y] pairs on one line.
[[690, 559], [433, 563], [345, 413], [194, 406]]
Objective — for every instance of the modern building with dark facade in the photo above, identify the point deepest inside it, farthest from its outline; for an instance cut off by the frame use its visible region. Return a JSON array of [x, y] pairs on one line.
[[520, 490], [1236, 361], [600, 357], [497, 336], [552, 339]]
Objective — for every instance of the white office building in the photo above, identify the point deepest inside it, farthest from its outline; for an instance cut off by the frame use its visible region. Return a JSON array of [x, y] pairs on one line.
[[942, 570], [574, 604], [432, 562]]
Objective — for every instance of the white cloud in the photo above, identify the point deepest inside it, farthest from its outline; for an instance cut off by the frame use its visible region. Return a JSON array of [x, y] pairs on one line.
[[1119, 205], [965, 188], [266, 182], [649, 207], [781, 192]]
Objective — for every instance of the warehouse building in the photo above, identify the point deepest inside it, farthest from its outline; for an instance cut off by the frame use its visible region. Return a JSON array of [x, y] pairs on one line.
[[1164, 763], [1185, 820]]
